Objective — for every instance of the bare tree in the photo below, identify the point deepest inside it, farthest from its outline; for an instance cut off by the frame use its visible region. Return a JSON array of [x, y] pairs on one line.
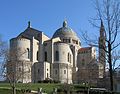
[[16, 68], [3, 51], [115, 60], [108, 12], [3, 48]]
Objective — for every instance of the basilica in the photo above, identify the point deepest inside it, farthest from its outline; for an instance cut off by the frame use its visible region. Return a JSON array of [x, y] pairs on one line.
[[62, 58]]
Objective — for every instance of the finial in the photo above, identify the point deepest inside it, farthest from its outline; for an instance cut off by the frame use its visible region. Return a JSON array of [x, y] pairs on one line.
[[28, 24], [102, 24], [102, 30], [65, 23]]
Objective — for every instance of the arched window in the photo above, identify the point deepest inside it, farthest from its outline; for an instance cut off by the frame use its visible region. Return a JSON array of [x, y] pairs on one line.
[[57, 56], [47, 75], [20, 69], [64, 71], [37, 55], [45, 56], [68, 57], [38, 71], [55, 71], [28, 53], [83, 62], [69, 40]]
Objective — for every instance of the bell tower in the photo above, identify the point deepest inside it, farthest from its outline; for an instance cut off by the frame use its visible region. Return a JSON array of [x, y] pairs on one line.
[[102, 48]]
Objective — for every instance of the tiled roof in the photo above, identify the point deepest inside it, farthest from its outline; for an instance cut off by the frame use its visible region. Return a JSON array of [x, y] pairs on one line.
[[84, 49], [29, 33]]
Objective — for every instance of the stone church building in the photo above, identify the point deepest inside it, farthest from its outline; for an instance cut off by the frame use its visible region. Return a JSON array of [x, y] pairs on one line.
[[62, 58]]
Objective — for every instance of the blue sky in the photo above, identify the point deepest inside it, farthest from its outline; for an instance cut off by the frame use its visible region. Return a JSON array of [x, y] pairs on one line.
[[45, 15]]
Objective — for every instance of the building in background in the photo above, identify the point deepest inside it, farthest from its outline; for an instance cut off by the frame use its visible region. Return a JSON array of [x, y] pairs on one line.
[[60, 58]]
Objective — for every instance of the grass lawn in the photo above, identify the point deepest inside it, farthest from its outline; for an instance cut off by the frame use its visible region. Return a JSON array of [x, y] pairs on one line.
[[8, 91], [47, 87], [5, 91]]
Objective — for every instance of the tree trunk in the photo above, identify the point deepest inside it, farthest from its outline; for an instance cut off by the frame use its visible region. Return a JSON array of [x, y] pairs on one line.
[[110, 66], [14, 89], [111, 76]]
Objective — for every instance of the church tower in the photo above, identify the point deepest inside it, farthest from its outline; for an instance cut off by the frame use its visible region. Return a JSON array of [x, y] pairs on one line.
[[102, 53]]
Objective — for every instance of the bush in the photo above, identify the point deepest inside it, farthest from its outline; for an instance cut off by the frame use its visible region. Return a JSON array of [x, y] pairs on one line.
[[40, 81], [48, 81], [55, 81], [26, 90], [101, 92]]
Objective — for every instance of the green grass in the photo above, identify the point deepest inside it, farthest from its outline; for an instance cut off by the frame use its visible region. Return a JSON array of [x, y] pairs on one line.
[[47, 87], [5, 88], [8, 91], [5, 91]]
